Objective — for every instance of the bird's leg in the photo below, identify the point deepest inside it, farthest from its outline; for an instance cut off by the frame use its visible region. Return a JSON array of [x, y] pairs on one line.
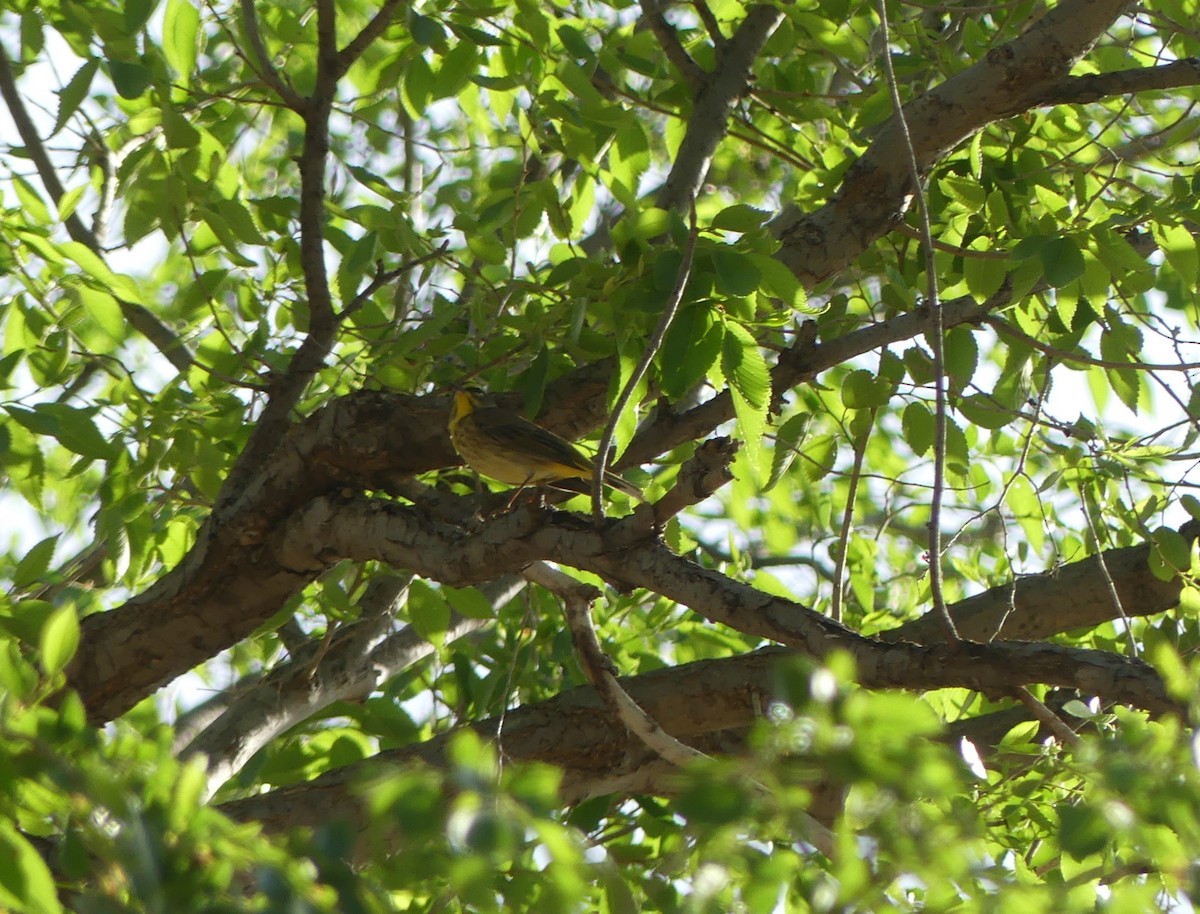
[[516, 494]]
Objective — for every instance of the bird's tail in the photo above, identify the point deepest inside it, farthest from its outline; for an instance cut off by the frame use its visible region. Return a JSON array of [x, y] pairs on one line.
[[584, 486], [623, 485]]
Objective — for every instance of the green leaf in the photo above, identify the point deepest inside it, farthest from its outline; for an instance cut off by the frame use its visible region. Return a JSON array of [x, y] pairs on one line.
[[1171, 555], [692, 346], [469, 602], [787, 441], [750, 385], [131, 80], [1179, 247], [355, 265], [739, 218], [968, 193], [94, 266], [1083, 831], [918, 427], [861, 389], [1189, 600], [137, 14], [961, 353], [181, 38], [1062, 261], [26, 883], [33, 567], [737, 274], [984, 276], [781, 282], [983, 411], [72, 428], [59, 639], [32, 204], [426, 31], [74, 92], [744, 367], [820, 455], [428, 612]]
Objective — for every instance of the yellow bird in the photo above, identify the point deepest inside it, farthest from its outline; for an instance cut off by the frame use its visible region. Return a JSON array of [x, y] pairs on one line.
[[503, 445]]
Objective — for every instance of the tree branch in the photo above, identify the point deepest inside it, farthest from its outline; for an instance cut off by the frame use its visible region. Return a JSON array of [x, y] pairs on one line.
[[1093, 87], [1009, 80], [713, 105], [139, 316], [652, 15]]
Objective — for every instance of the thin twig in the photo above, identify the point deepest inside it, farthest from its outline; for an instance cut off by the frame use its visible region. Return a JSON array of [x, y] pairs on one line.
[[1109, 584], [1053, 722], [382, 277], [1004, 327], [669, 39], [263, 65], [652, 346], [705, 14], [936, 343], [860, 450], [577, 598], [372, 30]]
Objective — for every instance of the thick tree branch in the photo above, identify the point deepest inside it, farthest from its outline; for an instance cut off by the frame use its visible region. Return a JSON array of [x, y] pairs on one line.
[[358, 659], [1093, 87], [710, 705], [365, 529], [285, 393], [1075, 595], [1009, 80], [575, 731], [713, 105]]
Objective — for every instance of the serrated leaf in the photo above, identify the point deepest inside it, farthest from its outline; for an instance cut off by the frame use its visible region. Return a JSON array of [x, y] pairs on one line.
[[1189, 600], [71, 96], [918, 426], [469, 602], [1191, 504], [72, 428], [740, 217], [181, 38], [36, 562], [137, 14], [961, 353], [1171, 554], [1062, 261], [984, 411], [787, 440], [32, 204], [984, 276], [692, 346], [737, 274], [426, 31], [819, 456], [744, 366], [861, 389], [355, 265], [131, 80], [59, 639], [1179, 246], [782, 283], [94, 266]]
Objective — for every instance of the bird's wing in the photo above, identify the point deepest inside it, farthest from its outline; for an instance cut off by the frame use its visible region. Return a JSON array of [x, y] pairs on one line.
[[516, 433]]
